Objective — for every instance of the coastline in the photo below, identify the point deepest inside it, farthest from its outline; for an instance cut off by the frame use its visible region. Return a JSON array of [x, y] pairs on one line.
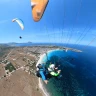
[[30, 57], [40, 83], [40, 61], [45, 93]]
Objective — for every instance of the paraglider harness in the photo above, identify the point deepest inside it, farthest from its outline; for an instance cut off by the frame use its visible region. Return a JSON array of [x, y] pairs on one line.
[[46, 72], [39, 68]]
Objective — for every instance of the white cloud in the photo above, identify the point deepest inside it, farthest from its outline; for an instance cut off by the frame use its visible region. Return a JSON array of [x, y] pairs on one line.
[[4, 21], [10, 1]]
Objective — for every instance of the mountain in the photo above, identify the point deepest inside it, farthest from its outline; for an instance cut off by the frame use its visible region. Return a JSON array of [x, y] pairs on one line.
[[14, 44]]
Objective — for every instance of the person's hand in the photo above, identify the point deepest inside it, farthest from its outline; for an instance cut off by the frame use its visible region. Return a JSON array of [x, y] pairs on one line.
[[56, 68], [46, 81], [59, 71]]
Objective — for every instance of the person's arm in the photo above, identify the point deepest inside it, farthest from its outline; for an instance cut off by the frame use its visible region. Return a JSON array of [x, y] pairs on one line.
[[43, 77], [46, 81]]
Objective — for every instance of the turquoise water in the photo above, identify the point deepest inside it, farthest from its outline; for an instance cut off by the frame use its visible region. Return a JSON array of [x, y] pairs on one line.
[[63, 58], [78, 72], [59, 56]]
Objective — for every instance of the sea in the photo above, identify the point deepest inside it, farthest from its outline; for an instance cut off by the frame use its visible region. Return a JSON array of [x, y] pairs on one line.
[[78, 71]]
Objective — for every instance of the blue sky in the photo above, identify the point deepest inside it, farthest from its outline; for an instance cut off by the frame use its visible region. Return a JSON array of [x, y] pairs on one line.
[[64, 21]]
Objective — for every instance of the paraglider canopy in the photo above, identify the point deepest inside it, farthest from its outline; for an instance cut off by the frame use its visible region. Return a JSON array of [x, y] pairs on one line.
[[38, 8], [20, 22]]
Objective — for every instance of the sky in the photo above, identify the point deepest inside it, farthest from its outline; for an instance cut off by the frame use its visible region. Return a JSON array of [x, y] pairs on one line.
[[64, 21]]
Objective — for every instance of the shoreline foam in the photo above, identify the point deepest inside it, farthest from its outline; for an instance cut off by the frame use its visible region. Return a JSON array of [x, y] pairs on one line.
[[40, 59], [45, 93]]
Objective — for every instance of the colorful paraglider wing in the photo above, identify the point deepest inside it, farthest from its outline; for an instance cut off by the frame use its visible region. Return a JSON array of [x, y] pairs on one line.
[[38, 8], [20, 22]]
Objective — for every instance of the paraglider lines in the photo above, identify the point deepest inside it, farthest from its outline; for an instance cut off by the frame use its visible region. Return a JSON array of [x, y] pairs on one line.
[[53, 27], [68, 41], [90, 42], [83, 36], [47, 33], [62, 39]]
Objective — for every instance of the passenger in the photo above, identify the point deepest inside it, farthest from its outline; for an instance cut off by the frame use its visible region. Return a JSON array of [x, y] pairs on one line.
[[53, 70]]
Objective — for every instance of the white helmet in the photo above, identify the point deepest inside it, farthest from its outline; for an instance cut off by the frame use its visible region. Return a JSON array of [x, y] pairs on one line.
[[52, 66]]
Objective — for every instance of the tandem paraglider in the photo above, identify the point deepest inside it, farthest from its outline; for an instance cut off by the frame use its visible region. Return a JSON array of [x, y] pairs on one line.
[[47, 71], [20, 37]]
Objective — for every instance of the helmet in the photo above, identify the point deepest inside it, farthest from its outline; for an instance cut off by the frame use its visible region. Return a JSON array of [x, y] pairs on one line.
[[52, 66], [39, 66]]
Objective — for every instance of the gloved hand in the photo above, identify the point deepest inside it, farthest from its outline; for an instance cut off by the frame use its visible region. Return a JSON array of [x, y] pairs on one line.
[[59, 71]]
